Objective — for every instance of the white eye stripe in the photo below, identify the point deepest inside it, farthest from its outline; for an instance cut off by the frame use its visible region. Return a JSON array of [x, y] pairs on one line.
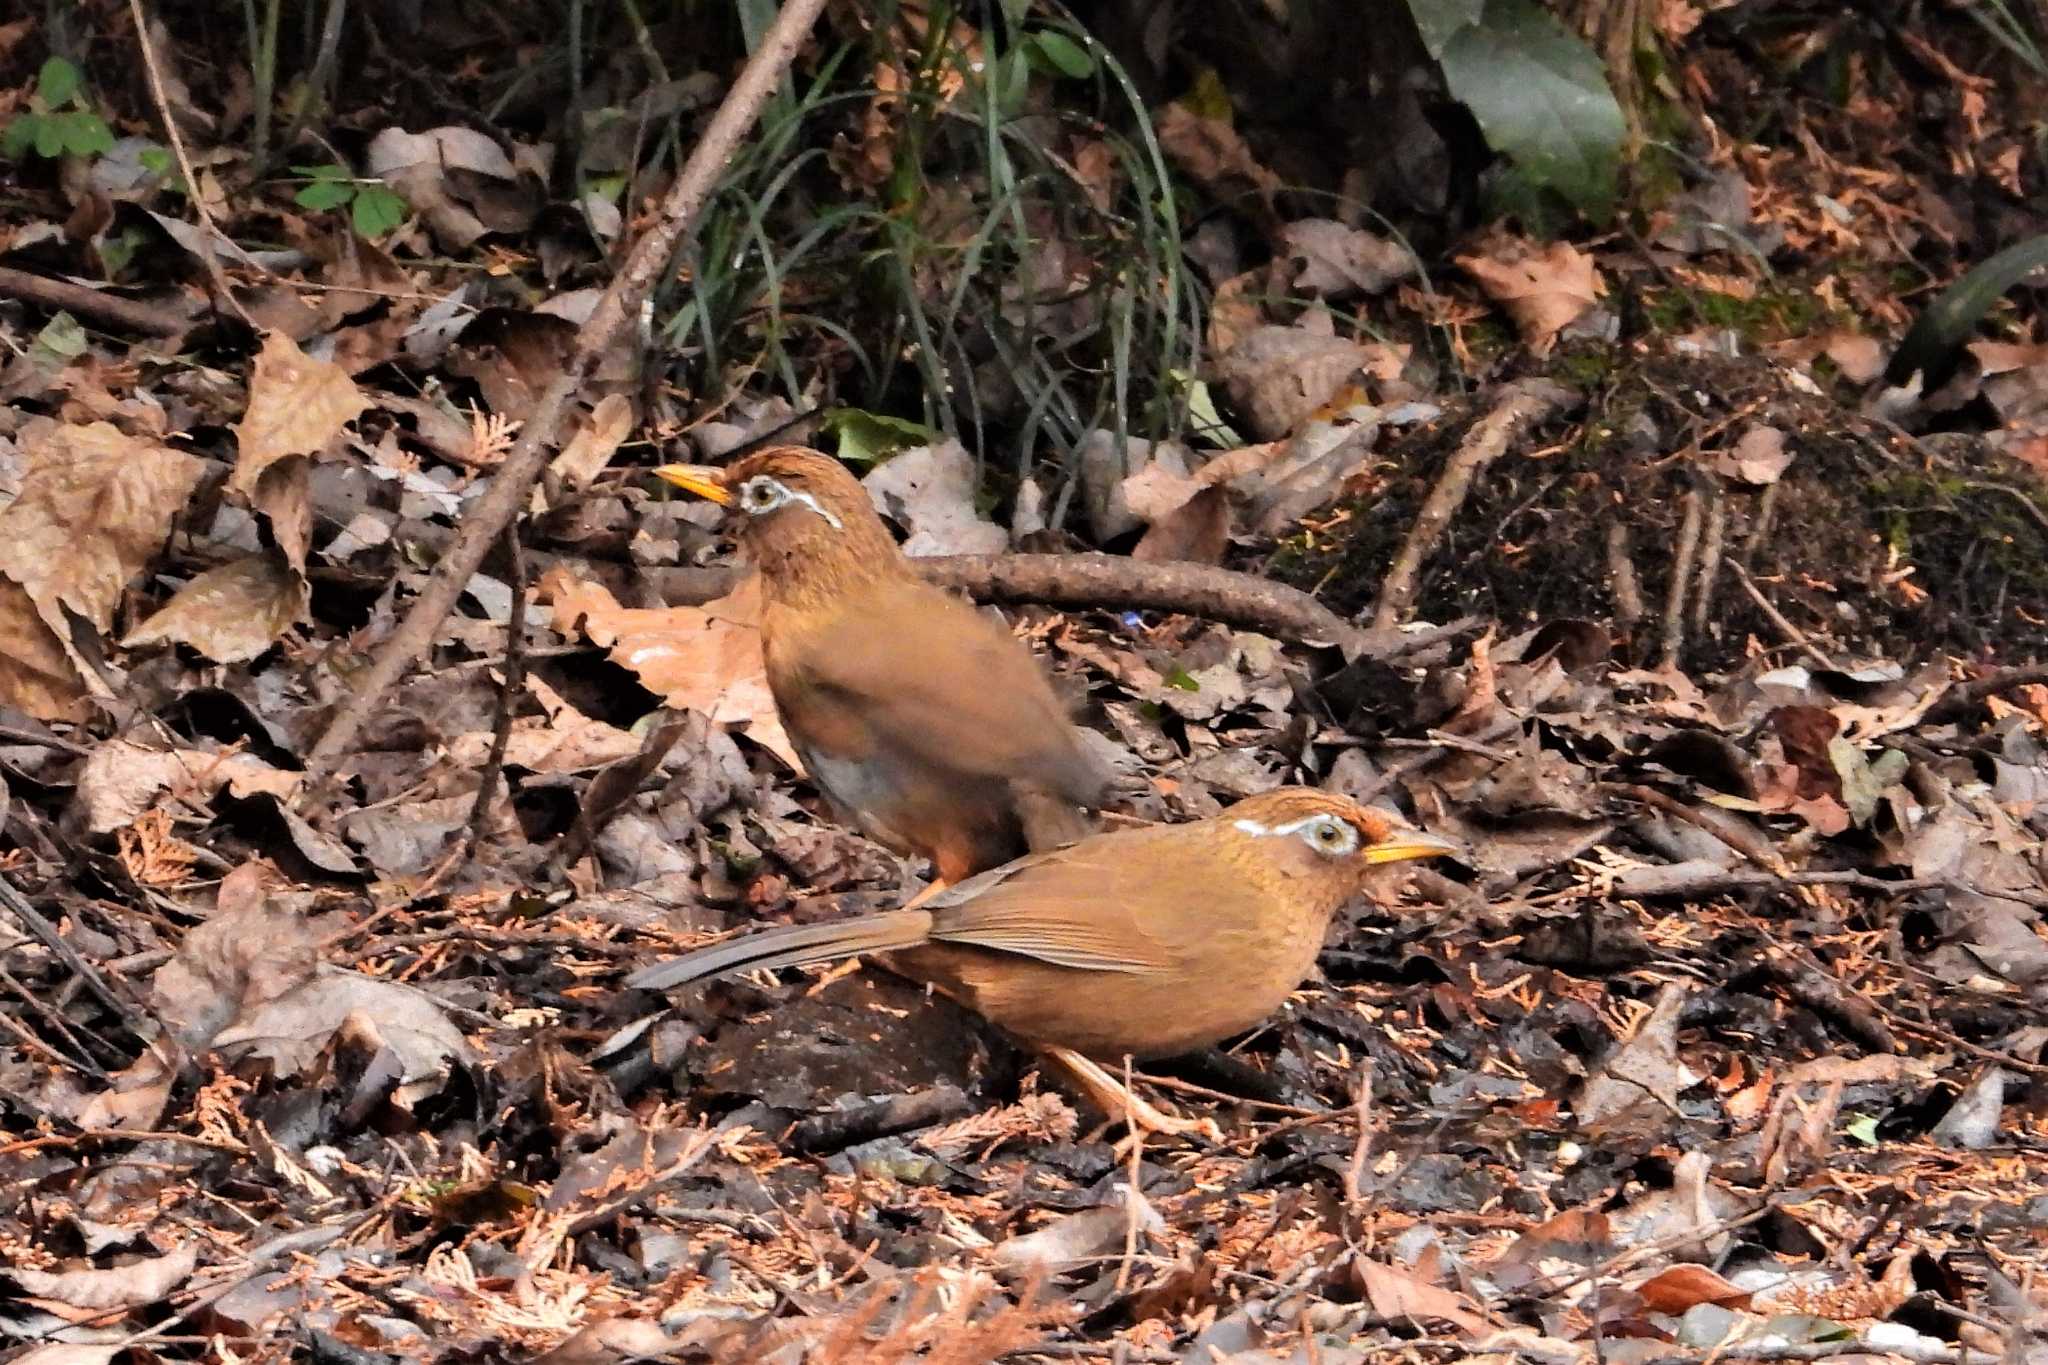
[[774, 494], [1311, 828]]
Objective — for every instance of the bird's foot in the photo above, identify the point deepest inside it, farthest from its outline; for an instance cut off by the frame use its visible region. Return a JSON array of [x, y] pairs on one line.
[[1118, 1101]]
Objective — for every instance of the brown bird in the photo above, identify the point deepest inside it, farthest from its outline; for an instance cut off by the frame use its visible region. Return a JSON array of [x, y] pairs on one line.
[[1145, 942], [928, 725]]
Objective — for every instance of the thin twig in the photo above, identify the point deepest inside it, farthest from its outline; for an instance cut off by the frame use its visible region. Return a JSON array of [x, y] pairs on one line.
[[1361, 1147], [1738, 837], [1521, 407], [211, 231], [616, 312], [1681, 570], [1792, 633], [32, 920], [508, 694], [1135, 1171], [1629, 1256], [1962, 696], [1621, 576]]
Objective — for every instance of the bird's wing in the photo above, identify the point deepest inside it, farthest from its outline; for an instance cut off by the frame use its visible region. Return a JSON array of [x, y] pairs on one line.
[[1094, 905], [932, 678]]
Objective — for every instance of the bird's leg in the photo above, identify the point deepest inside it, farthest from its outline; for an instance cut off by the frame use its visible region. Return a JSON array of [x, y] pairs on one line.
[[936, 885], [1118, 1101]]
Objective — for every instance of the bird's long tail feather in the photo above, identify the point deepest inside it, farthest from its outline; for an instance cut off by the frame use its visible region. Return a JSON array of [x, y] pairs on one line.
[[799, 945]]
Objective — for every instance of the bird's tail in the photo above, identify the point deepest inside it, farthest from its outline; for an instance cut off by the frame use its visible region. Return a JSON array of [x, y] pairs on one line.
[[797, 945]]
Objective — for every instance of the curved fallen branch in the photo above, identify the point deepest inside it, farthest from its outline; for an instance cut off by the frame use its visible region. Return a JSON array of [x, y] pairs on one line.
[[1115, 583]]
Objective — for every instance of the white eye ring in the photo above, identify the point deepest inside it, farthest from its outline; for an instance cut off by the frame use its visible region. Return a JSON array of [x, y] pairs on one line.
[[1327, 834], [762, 494]]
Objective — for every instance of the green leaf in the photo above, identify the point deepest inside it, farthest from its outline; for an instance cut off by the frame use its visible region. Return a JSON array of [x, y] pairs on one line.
[[322, 195], [1054, 53], [1862, 1127], [57, 82], [1932, 342], [378, 210], [1178, 677], [871, 437], [1540, 96], [61, 340], [1012, 75], [327, 172], [118, 249], [1204, 421], [85, 133], [1438, 21], [20, 136], [156, 161], [49, 133]]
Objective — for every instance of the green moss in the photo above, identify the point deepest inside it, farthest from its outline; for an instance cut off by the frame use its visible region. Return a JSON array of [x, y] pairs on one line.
[[1770, 315], [1585, 366]]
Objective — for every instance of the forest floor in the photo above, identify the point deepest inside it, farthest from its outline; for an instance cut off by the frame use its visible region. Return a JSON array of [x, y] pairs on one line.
[[1717, 647]]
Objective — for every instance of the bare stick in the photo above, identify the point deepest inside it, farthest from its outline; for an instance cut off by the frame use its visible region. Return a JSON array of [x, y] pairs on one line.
[[212, 231], [1522, 406], [616, 311], [95, 305], [1361, 1147], [1131, 1209], [1681, 570], [1710, 558], [1115, 583], [1621, 576], [1963, 696], [508, 694], [1792, 633]]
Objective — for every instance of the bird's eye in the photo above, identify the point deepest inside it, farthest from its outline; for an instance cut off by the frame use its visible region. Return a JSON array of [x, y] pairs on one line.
[[1331, 836], [760, 495]]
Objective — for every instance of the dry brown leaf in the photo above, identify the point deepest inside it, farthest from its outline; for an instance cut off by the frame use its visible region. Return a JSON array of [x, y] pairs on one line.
[[706, 659], [1213, 153], [1337, 261], [121, 780], [591, 448], [1684, 1286], [1398, 1296], [1759, 457], [123, 1286], [562, 741], [95, 506], [296, 406], [35, 672], [229, 614], [1280, 376], [136, 1098], [1543, 290], [1859, 358]]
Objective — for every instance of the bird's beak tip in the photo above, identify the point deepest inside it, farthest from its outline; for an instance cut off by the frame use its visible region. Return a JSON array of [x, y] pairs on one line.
[[1410, 844], [706, 481]]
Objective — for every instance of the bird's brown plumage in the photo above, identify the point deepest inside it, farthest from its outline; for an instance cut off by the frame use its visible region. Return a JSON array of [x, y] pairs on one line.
[[929, 725], [1143, 942]]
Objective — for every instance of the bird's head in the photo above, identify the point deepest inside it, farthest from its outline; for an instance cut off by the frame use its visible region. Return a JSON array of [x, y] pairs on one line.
[[1326, 845], [801, 516]]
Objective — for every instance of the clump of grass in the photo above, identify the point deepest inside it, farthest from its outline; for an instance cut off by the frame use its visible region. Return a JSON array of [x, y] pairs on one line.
[[971, 223]]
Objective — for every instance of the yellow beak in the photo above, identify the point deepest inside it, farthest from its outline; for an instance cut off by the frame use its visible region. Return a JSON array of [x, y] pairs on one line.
[[706, 481], [1409, 843]]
